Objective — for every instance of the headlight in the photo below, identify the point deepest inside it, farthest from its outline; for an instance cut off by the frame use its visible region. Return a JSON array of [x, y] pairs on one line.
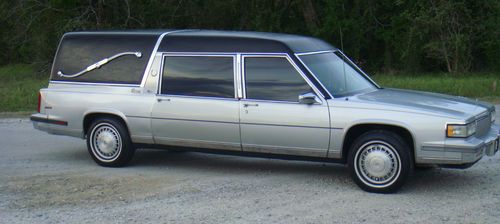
[[493, 115], [461, 130]]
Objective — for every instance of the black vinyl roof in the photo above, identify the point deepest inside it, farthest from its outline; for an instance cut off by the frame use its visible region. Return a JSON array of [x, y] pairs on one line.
[[240, 41], [78, 50], [224, 41]]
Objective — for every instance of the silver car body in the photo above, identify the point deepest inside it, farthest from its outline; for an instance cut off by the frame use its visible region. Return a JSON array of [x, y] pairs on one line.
[[279, 128]]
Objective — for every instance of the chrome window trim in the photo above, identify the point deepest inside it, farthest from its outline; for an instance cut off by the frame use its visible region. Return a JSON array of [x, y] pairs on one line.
[[94, 84], [196, 97], [153, 53], [269, 101], [160, 74], [313, 52], [188, 54], [238, 79], [276, 55], [225, 53]]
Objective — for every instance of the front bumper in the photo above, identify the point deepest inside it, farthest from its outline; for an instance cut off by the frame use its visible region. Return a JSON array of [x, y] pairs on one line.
[[460, 151]]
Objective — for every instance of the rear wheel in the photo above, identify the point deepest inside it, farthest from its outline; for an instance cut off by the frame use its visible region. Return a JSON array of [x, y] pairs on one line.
[[379, 161], [108, 142]]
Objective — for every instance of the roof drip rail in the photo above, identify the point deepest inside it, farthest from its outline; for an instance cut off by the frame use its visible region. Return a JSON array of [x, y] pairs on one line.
[[99, 64]]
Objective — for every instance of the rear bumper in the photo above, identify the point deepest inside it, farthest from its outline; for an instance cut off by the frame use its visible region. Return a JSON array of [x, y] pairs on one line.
[[42, 118], [460, 151], [57, 127]]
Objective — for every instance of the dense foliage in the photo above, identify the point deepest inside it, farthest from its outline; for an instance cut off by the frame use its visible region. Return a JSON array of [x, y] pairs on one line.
[[389, 35]]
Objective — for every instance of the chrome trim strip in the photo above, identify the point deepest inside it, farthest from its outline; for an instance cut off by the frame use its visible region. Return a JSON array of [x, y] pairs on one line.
[[279, 55], [160, 73], [238, 80], [235, 76], [222, 53], [196, 97], [483, 115], [243, 78], [153, 53], [275, 101], [461, 149], [198, 143], [440, 159], [228, 122], [314, 52], [285, 125], [93, 84], [191, 120], [168, 54], [98, 64], [311, 152], [180, 54]]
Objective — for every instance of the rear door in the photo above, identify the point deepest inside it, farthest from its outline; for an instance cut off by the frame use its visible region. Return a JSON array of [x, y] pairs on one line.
[[272, 119], [196, 105]]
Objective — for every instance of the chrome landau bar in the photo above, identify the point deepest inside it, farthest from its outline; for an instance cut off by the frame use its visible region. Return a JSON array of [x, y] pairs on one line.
[[99, 64]]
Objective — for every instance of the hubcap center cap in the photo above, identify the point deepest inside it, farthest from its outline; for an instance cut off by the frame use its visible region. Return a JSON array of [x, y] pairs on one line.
[[106, 142], [378, 164]]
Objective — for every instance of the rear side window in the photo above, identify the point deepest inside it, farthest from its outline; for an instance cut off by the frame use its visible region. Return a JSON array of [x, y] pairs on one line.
[[273, 78], [198, 76], [77, 51]]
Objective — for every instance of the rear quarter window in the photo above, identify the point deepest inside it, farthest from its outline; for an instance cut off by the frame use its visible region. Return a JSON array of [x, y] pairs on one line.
[[78, 51]]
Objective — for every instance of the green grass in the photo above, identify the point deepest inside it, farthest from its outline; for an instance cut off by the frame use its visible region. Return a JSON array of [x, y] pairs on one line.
[[481, 86], [19, 85]]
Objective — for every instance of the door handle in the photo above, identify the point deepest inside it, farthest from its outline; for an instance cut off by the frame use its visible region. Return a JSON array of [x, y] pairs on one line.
[[162, 99], [250, 104]]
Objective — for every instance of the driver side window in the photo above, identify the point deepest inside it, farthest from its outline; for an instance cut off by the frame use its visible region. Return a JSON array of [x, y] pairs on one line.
[[273, 78]]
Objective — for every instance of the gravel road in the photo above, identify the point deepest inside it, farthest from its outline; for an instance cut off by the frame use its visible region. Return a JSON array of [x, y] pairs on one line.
[[51, 179]]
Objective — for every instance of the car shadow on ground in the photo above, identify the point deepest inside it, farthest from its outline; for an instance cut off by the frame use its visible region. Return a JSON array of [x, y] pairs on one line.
[[228, 163], [434, 180], [446, 180]]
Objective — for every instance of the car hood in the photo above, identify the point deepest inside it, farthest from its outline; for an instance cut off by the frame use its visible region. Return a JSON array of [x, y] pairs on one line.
[[425, 102]]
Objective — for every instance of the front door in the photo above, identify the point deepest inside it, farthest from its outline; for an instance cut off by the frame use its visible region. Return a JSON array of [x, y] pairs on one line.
[[271, 117], [196, 105]]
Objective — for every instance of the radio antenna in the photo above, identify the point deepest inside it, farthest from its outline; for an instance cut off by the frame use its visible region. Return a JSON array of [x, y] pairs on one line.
[[343, 57]]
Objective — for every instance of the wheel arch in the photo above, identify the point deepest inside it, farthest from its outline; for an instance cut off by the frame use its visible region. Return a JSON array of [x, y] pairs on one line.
[[358, 129], [91, 115]]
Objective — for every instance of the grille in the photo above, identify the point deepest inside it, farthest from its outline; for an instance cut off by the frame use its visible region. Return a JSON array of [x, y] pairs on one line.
[[483, 125]]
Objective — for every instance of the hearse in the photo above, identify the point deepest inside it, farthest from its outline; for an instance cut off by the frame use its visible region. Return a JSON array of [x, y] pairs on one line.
[[253, 94]]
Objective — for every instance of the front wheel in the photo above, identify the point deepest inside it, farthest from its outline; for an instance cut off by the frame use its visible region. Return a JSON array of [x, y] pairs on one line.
[[109, 143], [379, 161]]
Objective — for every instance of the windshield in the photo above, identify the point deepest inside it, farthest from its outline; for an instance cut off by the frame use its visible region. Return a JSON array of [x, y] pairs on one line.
[[339, 78]]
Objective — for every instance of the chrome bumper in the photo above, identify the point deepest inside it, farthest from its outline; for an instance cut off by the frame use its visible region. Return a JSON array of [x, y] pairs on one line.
[[460, 151]]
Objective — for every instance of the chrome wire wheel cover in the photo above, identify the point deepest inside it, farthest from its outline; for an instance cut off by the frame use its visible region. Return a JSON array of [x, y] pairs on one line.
[[377, 164], [106, 143]]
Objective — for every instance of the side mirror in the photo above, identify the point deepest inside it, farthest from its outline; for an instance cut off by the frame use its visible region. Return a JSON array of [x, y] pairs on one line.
[[309, 98]]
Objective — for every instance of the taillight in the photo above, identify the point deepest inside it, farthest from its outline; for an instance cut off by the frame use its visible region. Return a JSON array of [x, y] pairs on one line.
[[39, 101]]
